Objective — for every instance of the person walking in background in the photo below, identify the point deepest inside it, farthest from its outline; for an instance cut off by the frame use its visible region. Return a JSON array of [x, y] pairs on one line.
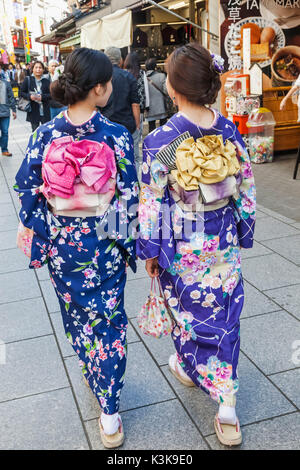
[[55, 107], [157, 89], [205, 179], [7, 104], [19, 76], [11, 74], [123, 106], [132, 64], [52, 64], [28, 69], [36, 89], [78, 220]]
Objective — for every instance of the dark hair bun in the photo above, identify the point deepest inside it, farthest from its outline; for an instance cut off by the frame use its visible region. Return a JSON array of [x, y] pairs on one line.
[[84, 69], [192, 74]]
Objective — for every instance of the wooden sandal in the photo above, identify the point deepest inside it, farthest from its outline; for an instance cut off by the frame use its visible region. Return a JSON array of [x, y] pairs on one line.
[[185, 381], [228, 434], [110, 441]]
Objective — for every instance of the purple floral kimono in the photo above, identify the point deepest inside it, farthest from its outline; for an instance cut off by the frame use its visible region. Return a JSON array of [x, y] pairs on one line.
[[200, 272]]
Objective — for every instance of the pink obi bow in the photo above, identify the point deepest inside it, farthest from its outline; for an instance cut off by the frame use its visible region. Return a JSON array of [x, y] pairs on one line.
[[87, 162]]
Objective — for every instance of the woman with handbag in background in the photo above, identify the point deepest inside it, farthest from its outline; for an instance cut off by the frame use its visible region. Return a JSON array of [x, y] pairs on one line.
[[35, 90], [157, 90], [77, 185], [196, 212]]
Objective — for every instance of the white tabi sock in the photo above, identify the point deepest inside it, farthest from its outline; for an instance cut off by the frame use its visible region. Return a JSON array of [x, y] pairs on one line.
[[110, 423], [227, 414]]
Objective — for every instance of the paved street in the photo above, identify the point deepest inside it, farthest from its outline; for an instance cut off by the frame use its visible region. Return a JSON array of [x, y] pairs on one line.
[[44, 403]]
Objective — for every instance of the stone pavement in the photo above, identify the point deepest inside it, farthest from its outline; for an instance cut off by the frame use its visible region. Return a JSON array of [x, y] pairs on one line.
[[44, 403]]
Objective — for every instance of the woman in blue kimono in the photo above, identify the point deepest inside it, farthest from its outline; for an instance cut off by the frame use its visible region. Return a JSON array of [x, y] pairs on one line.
[[196, 212], [76, 185]]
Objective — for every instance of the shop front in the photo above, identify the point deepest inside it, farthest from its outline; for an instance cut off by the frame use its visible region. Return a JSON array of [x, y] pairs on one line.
[[152, 29], [260, 42]]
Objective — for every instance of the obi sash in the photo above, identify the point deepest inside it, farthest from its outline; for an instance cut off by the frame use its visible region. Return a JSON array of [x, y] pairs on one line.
[[79, 177], [205, 172]]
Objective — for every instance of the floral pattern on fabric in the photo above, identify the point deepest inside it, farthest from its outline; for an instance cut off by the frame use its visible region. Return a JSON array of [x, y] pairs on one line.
[[200, 272], [86, 256]]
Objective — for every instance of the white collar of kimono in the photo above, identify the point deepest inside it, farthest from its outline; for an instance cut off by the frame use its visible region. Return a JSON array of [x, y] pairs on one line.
[[77, 125], [202, 127]]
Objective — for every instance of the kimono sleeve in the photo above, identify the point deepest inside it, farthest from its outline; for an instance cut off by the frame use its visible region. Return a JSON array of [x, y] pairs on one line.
[[245, 201], [120, 224], [33, 212], [152, 197]]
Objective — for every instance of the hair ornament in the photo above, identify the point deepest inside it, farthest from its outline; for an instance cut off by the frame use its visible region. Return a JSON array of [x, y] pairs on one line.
[[218, 63]]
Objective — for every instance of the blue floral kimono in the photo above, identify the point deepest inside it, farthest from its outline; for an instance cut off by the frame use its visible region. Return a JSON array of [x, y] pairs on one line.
[[86, 256], [200, 272]]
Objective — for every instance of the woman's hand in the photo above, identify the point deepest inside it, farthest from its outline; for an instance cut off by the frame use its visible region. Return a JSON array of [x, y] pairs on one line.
[[283, 104], [152, 267]]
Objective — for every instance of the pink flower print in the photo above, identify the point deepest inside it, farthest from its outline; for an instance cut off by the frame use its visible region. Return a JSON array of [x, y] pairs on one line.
[[89, 273], [103, 402], [36, 264], [102, 354], [189, 279], [110, 304], [247, 170], [53, 251], [87, 329], [67, 297], [216, 283], [68, 229], [248, 205], [184, 337], [92, 354], [190, 260], [230, 285], [85, 231], [223, 373], [207, 383], [77, 235], [211, 245]]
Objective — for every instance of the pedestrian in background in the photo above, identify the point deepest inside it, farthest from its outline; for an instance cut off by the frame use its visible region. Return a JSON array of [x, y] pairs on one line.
[[7, 104], [55, 106], [157, 89], [123, 106], [132, 64], [36, 89], [19, 76], [77, 224], [28, 69]]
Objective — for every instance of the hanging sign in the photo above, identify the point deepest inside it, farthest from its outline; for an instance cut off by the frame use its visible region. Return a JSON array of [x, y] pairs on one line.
[[26, 41]]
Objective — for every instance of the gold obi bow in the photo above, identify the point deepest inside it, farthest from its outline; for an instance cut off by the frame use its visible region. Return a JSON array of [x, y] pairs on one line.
[[206, 161]]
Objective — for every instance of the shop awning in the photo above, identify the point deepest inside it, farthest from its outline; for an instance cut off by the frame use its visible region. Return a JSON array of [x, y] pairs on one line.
[[51, 38], [72, 41], [111, 30], [169, 10]]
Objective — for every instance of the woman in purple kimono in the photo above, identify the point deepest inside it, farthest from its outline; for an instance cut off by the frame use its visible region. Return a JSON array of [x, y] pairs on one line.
[[196, 212], [76, 186]]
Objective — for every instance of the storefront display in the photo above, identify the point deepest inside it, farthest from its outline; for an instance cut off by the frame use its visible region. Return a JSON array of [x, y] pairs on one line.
[[261, 125], [274, 54]]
